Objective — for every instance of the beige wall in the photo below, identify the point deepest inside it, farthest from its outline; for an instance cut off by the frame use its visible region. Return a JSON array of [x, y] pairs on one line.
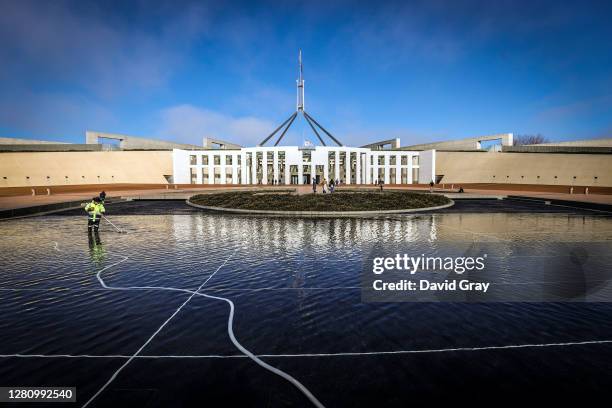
[[112, 167], [523, 168], [149, 167]]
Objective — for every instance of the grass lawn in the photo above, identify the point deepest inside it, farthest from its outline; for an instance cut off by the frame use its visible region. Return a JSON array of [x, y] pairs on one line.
[[338, 201]]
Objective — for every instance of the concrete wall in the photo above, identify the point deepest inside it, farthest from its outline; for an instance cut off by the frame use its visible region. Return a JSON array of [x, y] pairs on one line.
[[149, 167], [136, 143], [605, 142], [427, 172], [524, 168], [471, 143], [111, 167], [15, 141]]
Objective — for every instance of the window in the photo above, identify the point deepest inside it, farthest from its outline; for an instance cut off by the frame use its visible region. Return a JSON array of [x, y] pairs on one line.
[[193, 159], [381, 160], [415, 175], [205, 160], [405, 176], [415, 160], [392, 160], [228, 160], [404, 160], [193, 176], [217, 160], [217, 175]]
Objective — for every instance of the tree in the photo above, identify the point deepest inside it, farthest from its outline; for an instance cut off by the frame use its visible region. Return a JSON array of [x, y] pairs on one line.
[[529, 139]]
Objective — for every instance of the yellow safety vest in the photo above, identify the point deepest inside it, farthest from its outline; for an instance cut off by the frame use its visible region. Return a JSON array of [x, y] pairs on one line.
[[94, 209]]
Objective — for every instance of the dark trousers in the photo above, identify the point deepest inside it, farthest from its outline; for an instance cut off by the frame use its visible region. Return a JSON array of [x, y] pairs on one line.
[[95, 224]]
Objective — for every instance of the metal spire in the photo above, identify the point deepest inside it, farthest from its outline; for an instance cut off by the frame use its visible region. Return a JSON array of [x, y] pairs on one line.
[[300, 85], [300, 109]]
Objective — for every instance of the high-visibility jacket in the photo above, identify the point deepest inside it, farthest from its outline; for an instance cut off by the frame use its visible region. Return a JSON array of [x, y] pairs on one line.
[[94, 209]]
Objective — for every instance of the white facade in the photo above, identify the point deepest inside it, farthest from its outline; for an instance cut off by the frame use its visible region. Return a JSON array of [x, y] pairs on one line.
[[299, 165]]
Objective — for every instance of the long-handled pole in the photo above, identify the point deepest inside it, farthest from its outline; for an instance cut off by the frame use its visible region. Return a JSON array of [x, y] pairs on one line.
[[118, 230]]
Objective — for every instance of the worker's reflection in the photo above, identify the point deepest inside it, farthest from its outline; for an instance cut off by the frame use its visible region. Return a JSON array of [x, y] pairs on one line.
[[96, 248]]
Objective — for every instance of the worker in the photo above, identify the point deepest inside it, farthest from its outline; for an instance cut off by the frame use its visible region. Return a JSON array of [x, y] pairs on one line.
[[102, 196], [95, 209]]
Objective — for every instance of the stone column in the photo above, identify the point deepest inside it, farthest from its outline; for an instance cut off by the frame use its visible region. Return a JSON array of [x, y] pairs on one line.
[[254, 168], [211, 168], [347, 165], [243, 168], [387, 178], [326, 166], [287, 170], [235, 168], [410, 169], [313, 170], [275, 165], [223, 175], [337, 166], [264, 167], [301, 173], [398, 169], [358, 179]]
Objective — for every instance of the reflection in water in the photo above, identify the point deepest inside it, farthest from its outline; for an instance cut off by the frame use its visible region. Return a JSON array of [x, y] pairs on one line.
[[295, 283], [97, 253], [312, 235], [521, 248]]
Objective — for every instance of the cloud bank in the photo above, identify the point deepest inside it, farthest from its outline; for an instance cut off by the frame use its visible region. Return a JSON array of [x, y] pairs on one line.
[[189, 124]]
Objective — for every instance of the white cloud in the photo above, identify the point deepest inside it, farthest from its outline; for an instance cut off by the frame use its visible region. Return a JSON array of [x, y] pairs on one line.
[[189, 124]]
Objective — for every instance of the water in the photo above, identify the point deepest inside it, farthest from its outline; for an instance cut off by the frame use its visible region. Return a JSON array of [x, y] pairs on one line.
[[296, 288]]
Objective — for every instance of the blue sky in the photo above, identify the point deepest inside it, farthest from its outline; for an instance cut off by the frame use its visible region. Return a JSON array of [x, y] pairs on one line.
[[421, 71]]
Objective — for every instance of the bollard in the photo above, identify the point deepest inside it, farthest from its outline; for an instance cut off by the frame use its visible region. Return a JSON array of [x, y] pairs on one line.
[[33, 192], [48, 191], [586, 190], [571, 190]]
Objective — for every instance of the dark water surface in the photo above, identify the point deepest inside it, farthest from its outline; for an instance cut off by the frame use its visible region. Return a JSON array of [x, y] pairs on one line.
[[296, 289]]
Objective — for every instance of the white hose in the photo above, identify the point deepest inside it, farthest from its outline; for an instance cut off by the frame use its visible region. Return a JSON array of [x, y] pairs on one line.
[[230, 330]]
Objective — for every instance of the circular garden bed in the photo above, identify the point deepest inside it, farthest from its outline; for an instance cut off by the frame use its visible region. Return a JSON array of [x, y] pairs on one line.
[[340, 202]]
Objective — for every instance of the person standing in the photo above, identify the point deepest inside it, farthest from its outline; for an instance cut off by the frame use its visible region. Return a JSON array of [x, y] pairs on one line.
[[102, 196], [381, 183], [431, 186], [314, 186], [94, 209]]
